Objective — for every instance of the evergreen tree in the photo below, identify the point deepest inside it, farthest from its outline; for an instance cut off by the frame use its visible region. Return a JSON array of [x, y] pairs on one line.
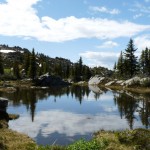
[[1, 65], [16, 70], [149, 61], [67, 71], [145, 62], [142, 62], [80, 66], [32, 67], [120, 66], [26, 62], [130, 60], [86, 73], [115, 66]]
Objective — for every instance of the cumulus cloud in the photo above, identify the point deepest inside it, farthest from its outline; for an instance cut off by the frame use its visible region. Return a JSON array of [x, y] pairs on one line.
[[141, 8], [108, 44], [67, 123], [142, 42], [137, 16], [20, 18], [104, 10], [105, 59]]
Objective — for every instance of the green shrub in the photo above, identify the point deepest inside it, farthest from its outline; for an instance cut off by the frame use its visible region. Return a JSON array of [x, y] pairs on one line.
[[140, 138], [7, 77], [51, 148], [88, 145]]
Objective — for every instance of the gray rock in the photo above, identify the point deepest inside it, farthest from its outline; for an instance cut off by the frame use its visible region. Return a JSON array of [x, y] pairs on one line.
[[109, 83], [119, 82], [96, 80], [49, 80], [3, 103], [131, 81]]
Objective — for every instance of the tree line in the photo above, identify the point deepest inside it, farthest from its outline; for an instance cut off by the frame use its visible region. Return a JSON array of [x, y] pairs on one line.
[[129, 65], [34, 65]]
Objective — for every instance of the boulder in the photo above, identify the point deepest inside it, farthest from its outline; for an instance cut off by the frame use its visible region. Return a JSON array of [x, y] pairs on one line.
[[49, 80], [3, 103], [119, 82], [132, 81], [96, 80], [110, 83]]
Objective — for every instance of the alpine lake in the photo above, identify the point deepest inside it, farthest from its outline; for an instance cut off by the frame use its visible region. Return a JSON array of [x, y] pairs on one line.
[[64, 115]]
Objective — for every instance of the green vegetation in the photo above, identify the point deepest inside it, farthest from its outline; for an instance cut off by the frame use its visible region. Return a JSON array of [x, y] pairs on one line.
[[127, 65], [11, 140], [32, 67], [137, 139], [88, 145], [22, 64], [1, 66]]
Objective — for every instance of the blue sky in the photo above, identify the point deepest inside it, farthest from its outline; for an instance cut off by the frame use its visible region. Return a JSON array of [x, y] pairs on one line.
[[97, 30]]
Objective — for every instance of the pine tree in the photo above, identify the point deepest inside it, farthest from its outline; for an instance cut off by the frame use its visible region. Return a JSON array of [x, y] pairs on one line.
[[149, 61], [120, 66], [67, 71], [130, 60], [115, 66], [86, 73], [26, 62], [142, 62], [1, 66], [145, 62], [32, 67], [80, 66], [16, 70]]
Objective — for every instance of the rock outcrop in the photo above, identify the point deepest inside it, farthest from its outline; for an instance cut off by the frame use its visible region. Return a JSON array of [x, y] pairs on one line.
[[131, 81], [49, 80], [96, 80]]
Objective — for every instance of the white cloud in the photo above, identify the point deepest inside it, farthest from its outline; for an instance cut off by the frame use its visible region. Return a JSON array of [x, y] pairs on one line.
[[137, 16], [104, 10], [142, 42], [142, 8], [108, 44], [67, 123], [105, 59], [19, 18]]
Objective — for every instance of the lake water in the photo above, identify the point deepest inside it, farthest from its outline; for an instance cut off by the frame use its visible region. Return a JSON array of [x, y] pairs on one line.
[[63, 115]]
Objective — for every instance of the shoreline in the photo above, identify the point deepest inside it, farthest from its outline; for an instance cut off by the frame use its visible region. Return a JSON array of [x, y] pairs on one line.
[[12, 85], [122, 140]]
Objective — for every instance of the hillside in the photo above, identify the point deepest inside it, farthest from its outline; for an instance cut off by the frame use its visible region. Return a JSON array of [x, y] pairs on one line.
[[17, 57]]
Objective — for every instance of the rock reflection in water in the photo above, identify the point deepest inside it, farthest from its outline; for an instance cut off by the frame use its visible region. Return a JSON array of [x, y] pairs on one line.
[[65, 112]]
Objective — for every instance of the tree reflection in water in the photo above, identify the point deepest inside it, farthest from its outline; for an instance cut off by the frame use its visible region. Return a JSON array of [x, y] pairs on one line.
[[130, 103], [130, 106]]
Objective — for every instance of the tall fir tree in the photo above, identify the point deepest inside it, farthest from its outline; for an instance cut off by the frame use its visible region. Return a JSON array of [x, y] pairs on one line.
[[26, 62], [32, 67], [120, 66], [80, 62], [16, 70], [145, 62], [142, 61], [130, 60]]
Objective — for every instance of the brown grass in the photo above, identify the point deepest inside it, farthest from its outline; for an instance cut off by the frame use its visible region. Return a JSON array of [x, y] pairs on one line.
[[11, 140]]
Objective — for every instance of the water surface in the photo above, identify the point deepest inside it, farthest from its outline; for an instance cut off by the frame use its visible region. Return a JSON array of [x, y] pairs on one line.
[[63, 115]]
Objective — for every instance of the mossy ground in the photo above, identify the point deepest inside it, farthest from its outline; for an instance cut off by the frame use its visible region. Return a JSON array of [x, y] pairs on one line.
[[138, 139], [11, 140]]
